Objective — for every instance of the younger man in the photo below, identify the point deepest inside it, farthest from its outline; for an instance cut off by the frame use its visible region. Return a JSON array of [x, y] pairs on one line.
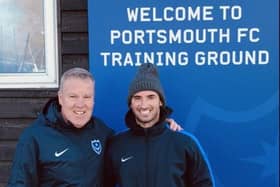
[[149, 154]]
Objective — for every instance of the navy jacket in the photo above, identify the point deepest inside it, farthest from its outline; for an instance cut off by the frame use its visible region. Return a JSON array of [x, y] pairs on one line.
[[155, 157], [52, 153]]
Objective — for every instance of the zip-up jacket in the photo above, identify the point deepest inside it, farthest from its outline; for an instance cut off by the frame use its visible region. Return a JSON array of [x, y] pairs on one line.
[[155, 157], [52, 153]]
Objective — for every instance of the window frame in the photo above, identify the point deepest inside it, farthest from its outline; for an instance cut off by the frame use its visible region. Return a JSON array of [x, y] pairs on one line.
[[49, 78]]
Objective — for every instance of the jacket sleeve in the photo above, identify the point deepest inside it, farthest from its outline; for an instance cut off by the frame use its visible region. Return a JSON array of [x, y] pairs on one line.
[[24, 171], [199, 173]]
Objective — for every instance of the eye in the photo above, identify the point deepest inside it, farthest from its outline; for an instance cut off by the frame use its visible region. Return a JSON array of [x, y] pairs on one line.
[[136, 98], [151, 97], [87, 97], [73, 96]]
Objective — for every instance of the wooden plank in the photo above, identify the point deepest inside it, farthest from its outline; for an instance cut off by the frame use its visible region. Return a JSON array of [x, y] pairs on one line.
[[74, 4], [11, 129], [71, 61], [21, 107], [74, 22], [75, 43], [10, 133], [7, 150], [36, 93], [5, 169], [3, 184]]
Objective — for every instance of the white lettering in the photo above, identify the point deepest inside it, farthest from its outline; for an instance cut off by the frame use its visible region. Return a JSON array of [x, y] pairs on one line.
[[167, 14], [160, 58], [250, 34], [187, 36], [210, 58]]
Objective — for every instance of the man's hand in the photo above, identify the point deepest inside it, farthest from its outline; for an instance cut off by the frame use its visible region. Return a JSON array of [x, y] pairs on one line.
[[173, 125]]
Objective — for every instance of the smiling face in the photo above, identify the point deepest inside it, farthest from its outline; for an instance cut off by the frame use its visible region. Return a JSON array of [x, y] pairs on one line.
[[146, 108], [77, 100]]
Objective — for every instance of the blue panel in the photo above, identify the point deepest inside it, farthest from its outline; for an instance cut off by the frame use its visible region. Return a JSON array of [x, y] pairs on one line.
[[219, 65]]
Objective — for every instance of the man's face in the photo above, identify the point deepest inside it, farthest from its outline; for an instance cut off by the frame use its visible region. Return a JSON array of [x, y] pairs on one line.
[[77, 99], [146, 108]]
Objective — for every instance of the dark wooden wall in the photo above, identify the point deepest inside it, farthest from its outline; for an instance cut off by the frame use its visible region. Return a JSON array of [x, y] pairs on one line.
[[19, 107]]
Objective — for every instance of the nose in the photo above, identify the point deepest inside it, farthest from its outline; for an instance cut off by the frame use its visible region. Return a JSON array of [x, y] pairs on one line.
[[80, 102], [143, 103]]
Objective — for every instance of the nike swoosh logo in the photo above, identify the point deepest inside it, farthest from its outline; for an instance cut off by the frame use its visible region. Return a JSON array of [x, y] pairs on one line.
[[58, 154], [126, 158]]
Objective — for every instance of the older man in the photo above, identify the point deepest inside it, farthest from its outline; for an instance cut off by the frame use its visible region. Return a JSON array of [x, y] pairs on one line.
[[65, 145]]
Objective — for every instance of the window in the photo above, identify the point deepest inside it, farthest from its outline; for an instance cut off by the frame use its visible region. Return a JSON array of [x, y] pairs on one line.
[[28, 44]]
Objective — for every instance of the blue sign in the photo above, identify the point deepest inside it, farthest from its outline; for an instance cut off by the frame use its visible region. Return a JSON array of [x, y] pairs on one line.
[[219, 66]]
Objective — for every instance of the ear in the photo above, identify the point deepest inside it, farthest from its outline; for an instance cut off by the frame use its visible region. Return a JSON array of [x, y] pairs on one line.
[[160, 103]]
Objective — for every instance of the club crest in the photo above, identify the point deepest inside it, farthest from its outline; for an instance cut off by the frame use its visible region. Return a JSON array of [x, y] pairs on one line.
[[96, 146]]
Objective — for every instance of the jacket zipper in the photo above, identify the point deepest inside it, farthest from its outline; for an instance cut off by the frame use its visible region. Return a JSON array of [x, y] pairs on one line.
[[146, 157]]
